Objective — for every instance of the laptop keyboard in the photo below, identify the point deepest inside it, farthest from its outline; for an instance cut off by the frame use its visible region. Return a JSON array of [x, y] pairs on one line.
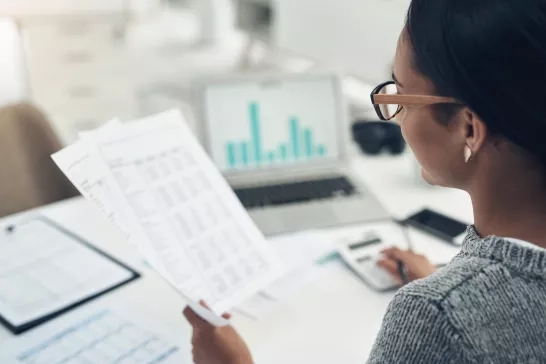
[[290, 193]]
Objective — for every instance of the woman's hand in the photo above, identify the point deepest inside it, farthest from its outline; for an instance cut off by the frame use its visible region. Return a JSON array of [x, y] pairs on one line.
[[417, 266], [216, 345]]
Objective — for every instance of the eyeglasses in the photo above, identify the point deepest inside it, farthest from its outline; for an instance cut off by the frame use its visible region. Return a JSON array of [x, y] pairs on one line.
[[388, 103]]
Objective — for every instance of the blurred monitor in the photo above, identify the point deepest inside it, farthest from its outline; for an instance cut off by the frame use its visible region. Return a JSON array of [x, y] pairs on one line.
[[280, 122]]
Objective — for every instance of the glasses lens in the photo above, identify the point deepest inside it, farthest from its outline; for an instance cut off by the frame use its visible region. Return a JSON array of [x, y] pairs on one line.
[[389, 111]]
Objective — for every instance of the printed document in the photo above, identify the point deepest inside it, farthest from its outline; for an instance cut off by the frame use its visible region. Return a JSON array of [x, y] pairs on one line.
[[98, 336], [159, 185], [44, 270]]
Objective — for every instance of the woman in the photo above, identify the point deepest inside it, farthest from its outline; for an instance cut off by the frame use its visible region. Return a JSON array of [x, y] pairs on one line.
[[470, 76]]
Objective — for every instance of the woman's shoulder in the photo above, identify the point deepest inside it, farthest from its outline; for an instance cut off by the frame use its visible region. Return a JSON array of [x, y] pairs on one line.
[[422, 312], [417, 328], [454, 276]]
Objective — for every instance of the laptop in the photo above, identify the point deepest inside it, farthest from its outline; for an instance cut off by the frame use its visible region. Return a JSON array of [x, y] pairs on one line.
[[282, 142]]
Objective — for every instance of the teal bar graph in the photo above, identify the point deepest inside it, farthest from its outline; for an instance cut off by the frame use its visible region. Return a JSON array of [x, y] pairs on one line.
[[230, 151], [295, 137], [283, 151], [244, 153], [298, 146], [321, 150], [255, 131]]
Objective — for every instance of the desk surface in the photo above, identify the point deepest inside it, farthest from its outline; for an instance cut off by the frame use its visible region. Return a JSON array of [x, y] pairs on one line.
[[335, 319]]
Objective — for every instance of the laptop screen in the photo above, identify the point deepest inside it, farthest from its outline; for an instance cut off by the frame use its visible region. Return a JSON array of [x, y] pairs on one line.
[[256, 124]]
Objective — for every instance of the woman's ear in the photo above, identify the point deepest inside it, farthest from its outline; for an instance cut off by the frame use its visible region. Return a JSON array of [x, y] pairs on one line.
[[475, 131]]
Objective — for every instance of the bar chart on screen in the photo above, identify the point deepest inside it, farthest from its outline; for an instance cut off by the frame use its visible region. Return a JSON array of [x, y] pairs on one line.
[[272, 124], [300, 145]]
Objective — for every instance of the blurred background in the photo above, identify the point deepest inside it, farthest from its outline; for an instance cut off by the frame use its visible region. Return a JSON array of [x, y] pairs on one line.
[[82, 62]]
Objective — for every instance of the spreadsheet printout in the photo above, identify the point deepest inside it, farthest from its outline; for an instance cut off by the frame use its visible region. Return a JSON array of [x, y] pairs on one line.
[[100, 336], [83, 166], [89, 175], [198, 235]]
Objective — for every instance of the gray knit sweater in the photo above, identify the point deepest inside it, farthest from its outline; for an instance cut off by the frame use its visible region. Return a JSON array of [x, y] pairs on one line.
[[487, 306]]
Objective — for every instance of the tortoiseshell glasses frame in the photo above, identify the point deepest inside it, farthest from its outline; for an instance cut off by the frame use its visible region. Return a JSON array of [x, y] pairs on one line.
[[379, 99]]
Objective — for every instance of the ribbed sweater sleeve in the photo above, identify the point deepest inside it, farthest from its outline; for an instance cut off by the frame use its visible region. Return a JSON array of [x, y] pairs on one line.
[[416, 330]]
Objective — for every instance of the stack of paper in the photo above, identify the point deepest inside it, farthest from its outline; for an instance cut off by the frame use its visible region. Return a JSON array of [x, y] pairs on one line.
[[299, 254], [154, 181]]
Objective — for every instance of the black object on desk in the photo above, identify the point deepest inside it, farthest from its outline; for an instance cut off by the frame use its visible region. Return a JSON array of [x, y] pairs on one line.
[[439, 225], [374, 137]]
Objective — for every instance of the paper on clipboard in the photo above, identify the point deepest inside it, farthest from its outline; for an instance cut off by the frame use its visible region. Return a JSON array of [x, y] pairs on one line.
[[45, 270]]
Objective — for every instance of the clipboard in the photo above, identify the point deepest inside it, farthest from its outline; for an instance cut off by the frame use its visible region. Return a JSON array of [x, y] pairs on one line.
[[46, 271]]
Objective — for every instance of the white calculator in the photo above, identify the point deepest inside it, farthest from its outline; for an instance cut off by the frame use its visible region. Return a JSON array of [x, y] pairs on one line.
[[362, 256]]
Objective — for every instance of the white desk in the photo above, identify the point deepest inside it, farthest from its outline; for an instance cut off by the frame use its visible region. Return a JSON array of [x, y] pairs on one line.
[[334, 320]]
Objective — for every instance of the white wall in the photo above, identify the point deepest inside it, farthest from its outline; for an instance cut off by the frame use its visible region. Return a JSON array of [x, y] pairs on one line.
[[358, 36], [42, 7], [49, 7], [12, 72]]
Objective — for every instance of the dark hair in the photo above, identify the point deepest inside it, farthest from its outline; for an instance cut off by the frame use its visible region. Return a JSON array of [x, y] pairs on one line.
[[490, 55]]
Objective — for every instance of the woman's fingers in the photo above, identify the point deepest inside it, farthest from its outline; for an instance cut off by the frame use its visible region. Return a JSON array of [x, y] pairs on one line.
[[397, 254], [195, 321], [226, 315], [391, 267], [417, 266]]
